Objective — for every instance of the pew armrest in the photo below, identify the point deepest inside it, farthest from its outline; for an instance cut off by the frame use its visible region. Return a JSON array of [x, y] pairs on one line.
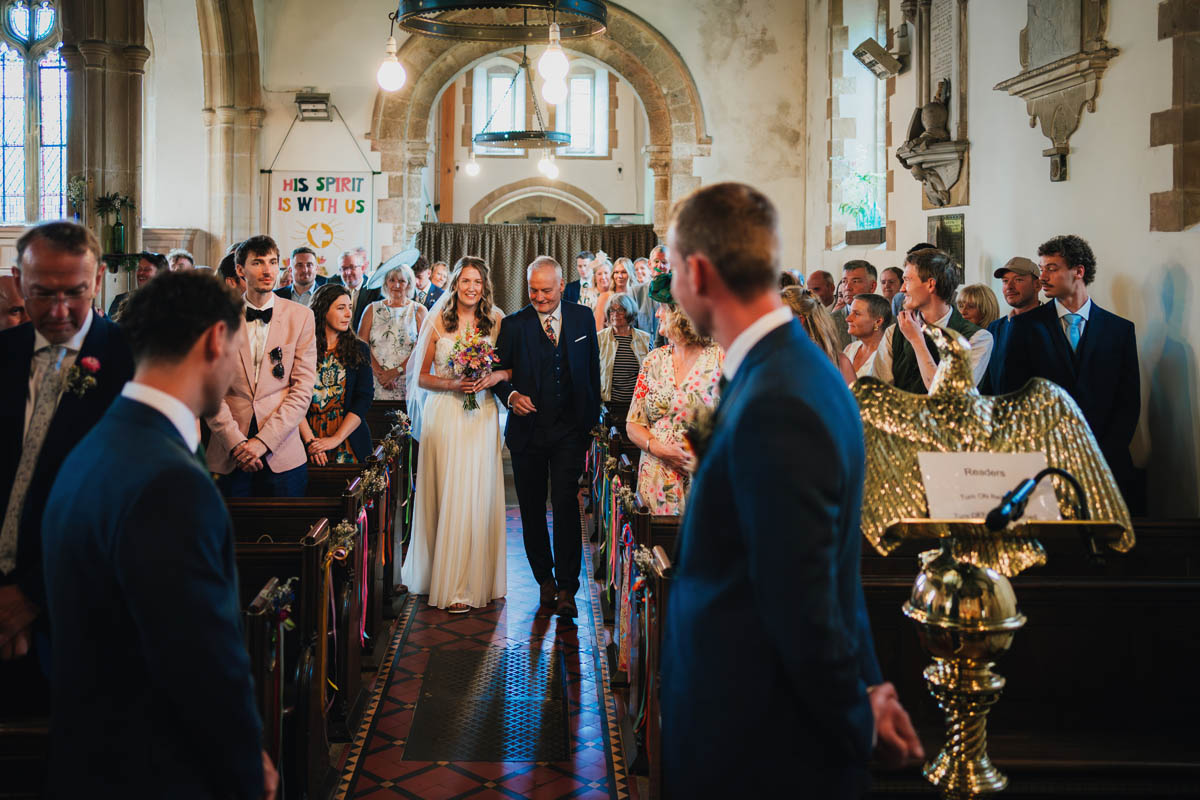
[[662, 562]]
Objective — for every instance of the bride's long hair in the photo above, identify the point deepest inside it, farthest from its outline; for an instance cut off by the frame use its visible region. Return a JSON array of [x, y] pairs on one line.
[[483, 311]]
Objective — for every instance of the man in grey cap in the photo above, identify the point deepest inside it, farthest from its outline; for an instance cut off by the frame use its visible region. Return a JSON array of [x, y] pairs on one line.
[[1021, 281]]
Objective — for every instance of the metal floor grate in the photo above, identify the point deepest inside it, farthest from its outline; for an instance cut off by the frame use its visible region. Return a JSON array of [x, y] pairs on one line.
[[491, 705]]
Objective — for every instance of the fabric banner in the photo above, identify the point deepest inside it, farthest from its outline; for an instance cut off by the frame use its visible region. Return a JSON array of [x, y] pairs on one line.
[[508, 249], [329, 212]]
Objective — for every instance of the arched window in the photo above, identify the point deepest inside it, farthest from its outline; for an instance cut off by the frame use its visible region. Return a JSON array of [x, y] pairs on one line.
[[584, 114], [494, 101], [33, 112]]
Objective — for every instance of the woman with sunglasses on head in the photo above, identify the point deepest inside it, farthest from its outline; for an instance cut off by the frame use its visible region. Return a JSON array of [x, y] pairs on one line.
[[333, 431]]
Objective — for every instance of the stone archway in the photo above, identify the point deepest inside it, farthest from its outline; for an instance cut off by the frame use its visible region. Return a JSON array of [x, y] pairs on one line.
[[511, 192], [400, 127]]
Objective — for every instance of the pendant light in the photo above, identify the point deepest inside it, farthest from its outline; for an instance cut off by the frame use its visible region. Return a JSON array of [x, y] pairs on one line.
[[477, 20], [391, 75]]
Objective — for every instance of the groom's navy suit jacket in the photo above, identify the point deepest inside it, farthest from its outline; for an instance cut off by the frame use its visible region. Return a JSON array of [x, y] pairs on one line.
[[521, 334], [151, 682], [768, 651], [73, 418]]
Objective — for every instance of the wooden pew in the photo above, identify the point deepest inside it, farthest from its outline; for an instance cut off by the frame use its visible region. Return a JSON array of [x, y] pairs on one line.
[[302, 740], [381, 417], [1101, 688], [264, 637], [24, 754]]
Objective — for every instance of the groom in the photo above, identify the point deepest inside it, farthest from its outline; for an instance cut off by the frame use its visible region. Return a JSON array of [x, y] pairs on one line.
[[554, 396]]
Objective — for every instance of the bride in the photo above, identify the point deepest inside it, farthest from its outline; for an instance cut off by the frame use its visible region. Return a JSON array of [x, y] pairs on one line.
[[457, 552]]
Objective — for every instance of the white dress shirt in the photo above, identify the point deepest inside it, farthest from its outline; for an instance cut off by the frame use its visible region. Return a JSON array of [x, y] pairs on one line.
[[170, 407], [754, 334], [257, 331], [881, 363], [555, 318], [73, 345], [1084, 311]]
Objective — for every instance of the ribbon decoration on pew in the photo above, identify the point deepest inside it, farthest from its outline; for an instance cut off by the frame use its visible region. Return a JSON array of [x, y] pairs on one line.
[[364, 579], [629, 576], [341, 545]]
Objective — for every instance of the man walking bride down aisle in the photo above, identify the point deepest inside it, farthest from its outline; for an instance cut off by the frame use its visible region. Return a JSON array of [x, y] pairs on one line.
[[548, 375]]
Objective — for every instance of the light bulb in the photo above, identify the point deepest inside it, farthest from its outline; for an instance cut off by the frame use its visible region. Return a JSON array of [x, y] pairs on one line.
[[551, 170], [544, 165], [391, 75], [472, 167], [554, 92], [553, 64]]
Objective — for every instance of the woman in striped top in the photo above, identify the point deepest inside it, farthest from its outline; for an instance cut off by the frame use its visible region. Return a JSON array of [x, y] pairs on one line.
[[622, 348]]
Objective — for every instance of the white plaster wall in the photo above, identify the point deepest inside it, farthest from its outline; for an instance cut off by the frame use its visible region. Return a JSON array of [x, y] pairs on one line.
[[617, 192], [1152, 279], [174, 174]]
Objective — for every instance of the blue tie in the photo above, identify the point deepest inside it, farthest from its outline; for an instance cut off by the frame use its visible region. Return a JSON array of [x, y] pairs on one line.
[[1074, 330]]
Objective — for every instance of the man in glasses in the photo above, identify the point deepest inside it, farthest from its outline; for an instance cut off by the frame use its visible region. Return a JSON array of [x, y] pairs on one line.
[[255, 447], [59, 373]]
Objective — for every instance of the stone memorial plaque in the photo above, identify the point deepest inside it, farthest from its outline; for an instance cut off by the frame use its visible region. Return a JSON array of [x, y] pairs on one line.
[[1053, 30], [944, 52], [948, 233]]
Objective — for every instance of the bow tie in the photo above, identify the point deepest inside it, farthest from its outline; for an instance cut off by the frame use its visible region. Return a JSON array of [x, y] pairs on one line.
[[253, 314]]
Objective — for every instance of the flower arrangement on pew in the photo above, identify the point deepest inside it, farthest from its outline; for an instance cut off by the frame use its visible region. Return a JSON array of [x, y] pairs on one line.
[[281, 598], [472, 358]]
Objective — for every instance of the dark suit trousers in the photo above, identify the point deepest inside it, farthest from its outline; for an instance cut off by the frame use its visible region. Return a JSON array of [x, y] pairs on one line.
[[264, 483], [559, 463]]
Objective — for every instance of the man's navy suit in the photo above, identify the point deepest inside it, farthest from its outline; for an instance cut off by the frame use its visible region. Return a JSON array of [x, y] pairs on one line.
[[563, 381], [289, 293], [768, 653], [992, 377], [571, 291], [1101, 375], [152, 689], [432, 294], [73, 418]]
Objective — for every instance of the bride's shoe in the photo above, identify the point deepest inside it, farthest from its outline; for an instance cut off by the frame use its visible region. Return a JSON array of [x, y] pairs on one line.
[[458, 608]]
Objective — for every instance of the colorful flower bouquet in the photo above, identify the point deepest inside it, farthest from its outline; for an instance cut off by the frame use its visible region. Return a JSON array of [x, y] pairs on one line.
[[472, 358]]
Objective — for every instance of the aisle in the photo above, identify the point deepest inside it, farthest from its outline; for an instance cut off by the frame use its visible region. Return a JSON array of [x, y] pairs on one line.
[[538, 650]]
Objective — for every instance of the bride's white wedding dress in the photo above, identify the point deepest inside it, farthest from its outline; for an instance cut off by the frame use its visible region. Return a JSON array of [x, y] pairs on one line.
[[457, 550]]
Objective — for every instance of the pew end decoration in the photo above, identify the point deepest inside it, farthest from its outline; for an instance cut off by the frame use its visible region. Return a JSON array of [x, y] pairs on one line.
[[962, 602]]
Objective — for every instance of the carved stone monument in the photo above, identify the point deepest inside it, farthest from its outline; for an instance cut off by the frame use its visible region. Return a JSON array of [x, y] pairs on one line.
[[1063, 55], [935, 146]]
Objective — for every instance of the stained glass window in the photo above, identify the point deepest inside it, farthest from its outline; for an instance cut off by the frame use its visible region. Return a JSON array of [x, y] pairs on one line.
[[33, 113]]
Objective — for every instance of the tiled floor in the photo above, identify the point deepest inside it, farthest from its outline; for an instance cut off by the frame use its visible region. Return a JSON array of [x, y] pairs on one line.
[[376, 767]]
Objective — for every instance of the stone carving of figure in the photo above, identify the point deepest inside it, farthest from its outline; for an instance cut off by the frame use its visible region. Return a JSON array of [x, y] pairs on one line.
[[932, 125]]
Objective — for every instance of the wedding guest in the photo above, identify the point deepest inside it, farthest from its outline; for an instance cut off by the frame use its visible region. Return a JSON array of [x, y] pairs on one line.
[[58, 374], [788, 278], [152, 685], [907, 357], [889, 282], [602, 278], [622, 273], [771, 629], [255, 448], [12, 303], [180, 260], [641, 271], [622, 350], [149, 266], [1021, 282], [821, 284], [390, 326], [229, 272], [439, 274], [870, 315], [977, 303], [284, 280], [660, 264], [305, 280], [675, 384], [898, 299], [353, 270], [819, 325], [1089, 351], [334, 431], [842, 297], [858, 277], [424, 292], [583, 265]]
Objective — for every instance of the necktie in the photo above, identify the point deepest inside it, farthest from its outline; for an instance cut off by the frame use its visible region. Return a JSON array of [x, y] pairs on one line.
[[50, 361], [1074, 330], [253, 313], [549, 328]]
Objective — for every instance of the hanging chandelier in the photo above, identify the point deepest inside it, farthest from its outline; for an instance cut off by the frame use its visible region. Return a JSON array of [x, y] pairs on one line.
[[537, 139], [476, 20]]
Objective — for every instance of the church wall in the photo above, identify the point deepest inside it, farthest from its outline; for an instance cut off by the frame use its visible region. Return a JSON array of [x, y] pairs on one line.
[[1150, 278], [174, 173]]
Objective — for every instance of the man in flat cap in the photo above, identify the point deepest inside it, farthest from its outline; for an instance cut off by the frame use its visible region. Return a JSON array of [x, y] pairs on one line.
[[1021, 279]]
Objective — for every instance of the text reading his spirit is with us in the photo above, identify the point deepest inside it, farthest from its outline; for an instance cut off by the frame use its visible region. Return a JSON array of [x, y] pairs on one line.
[[323, 205]]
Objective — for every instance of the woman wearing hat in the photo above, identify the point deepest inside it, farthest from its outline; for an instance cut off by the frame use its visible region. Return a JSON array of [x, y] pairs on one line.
[[676, 384]]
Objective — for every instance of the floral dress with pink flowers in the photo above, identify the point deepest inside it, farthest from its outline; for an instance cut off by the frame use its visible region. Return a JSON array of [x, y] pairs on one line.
[[668, 410]]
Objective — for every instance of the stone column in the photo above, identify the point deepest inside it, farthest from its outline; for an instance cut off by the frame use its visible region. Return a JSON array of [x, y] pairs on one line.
[[658, 157], [415, 161], [233, 212]]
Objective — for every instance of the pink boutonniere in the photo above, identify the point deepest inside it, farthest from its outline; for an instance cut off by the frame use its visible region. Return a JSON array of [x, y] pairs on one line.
[[82, 376]]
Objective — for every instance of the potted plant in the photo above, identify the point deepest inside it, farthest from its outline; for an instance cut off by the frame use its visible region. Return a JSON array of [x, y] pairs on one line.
[[862, 206], [113, 203]]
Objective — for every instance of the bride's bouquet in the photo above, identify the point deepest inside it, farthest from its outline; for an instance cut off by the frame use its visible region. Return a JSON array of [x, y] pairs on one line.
[[472, 358]]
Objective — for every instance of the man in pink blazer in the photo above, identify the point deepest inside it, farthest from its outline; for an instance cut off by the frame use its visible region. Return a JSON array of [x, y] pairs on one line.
[[255, 447]]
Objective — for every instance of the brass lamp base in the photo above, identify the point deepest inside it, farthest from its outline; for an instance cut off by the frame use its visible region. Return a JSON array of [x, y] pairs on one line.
[[966, 691]]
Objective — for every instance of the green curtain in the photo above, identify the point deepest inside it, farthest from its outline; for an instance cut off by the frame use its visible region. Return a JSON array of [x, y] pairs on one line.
[[508, 249]]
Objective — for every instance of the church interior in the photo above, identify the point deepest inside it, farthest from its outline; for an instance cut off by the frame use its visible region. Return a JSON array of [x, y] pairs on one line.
[[374, 134]]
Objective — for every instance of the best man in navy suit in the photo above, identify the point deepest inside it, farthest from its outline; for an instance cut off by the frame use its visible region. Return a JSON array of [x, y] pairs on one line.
[[58, 374], [554, 400], [770, 684], [153, 695], [305, 280], [1090, 352]]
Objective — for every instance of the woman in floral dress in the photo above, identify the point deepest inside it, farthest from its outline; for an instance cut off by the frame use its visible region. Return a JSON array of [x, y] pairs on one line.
[[390, 327], [676, 382], [333, 431]]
